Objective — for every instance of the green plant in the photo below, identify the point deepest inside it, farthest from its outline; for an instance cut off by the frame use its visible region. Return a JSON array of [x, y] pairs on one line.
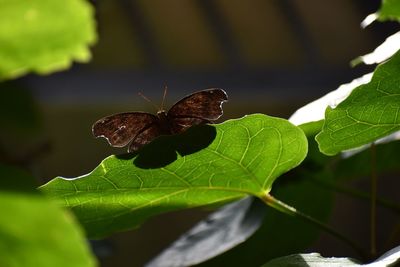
[[288, 172]]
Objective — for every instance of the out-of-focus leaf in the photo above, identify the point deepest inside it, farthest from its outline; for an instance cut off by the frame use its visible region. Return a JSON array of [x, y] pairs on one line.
[[369, 113], [33, 230], [44, 36], [219, 232], [203, 166]]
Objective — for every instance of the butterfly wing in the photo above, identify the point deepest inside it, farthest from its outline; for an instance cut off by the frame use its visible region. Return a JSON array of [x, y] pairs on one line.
[[145, 137], [123, 128], [201, 107]]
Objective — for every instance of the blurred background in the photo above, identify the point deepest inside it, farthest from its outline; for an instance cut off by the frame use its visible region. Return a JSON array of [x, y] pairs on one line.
[[271, 56]]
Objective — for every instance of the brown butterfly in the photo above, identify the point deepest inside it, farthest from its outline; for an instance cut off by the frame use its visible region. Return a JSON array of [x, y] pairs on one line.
[[139, 128]]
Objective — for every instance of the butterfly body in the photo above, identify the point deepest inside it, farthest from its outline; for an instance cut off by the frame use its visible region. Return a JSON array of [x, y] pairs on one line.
[[139, 128], [164, 122]]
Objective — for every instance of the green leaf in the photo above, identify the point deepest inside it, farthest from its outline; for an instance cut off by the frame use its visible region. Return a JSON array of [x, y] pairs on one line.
[[370, 112], [34, 231], [214, 164], [43, 36], [312, 128], [390, 10]]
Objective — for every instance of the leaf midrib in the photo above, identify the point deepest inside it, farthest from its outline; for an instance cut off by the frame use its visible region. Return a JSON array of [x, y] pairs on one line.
[[135, 208]]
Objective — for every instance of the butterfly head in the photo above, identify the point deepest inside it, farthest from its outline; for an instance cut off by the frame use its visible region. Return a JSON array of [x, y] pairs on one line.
[[162, 114]]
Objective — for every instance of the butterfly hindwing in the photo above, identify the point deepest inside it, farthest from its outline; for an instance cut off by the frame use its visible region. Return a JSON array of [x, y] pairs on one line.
[[120, 129], [144, 137], [179, 125]]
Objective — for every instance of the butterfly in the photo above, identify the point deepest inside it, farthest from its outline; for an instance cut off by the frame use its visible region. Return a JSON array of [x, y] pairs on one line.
[[137, 129]]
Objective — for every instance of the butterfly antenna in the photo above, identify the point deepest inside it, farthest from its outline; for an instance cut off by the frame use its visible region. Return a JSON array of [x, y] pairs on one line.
[[148, 100], [164, 96]]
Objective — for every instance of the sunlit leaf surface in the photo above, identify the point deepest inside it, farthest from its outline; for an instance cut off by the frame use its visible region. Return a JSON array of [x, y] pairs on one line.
[[369, 113]]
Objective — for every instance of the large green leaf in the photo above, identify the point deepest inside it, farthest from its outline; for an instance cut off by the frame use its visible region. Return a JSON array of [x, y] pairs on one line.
[[34, 231], [204, 166], [370, 112], [44, 35], [390, 10]]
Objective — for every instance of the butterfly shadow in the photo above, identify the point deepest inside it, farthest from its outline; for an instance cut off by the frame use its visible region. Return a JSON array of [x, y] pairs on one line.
[[164, 149]]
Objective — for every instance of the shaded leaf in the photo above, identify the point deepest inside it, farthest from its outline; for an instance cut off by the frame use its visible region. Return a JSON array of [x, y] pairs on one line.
[[219, 232], [204, 166], [34, 231], [369, 113], [43, 36]]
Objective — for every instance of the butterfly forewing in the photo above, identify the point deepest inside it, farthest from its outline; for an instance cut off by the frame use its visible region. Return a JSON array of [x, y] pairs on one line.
[[120, 129], [205, 105]]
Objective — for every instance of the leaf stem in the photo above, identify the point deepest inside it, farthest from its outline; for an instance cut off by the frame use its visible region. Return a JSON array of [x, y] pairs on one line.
[[285, 208], [374, 179], [358, 194]]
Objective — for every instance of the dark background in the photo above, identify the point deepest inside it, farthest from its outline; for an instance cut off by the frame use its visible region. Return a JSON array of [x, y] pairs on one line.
[[270, 56]]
